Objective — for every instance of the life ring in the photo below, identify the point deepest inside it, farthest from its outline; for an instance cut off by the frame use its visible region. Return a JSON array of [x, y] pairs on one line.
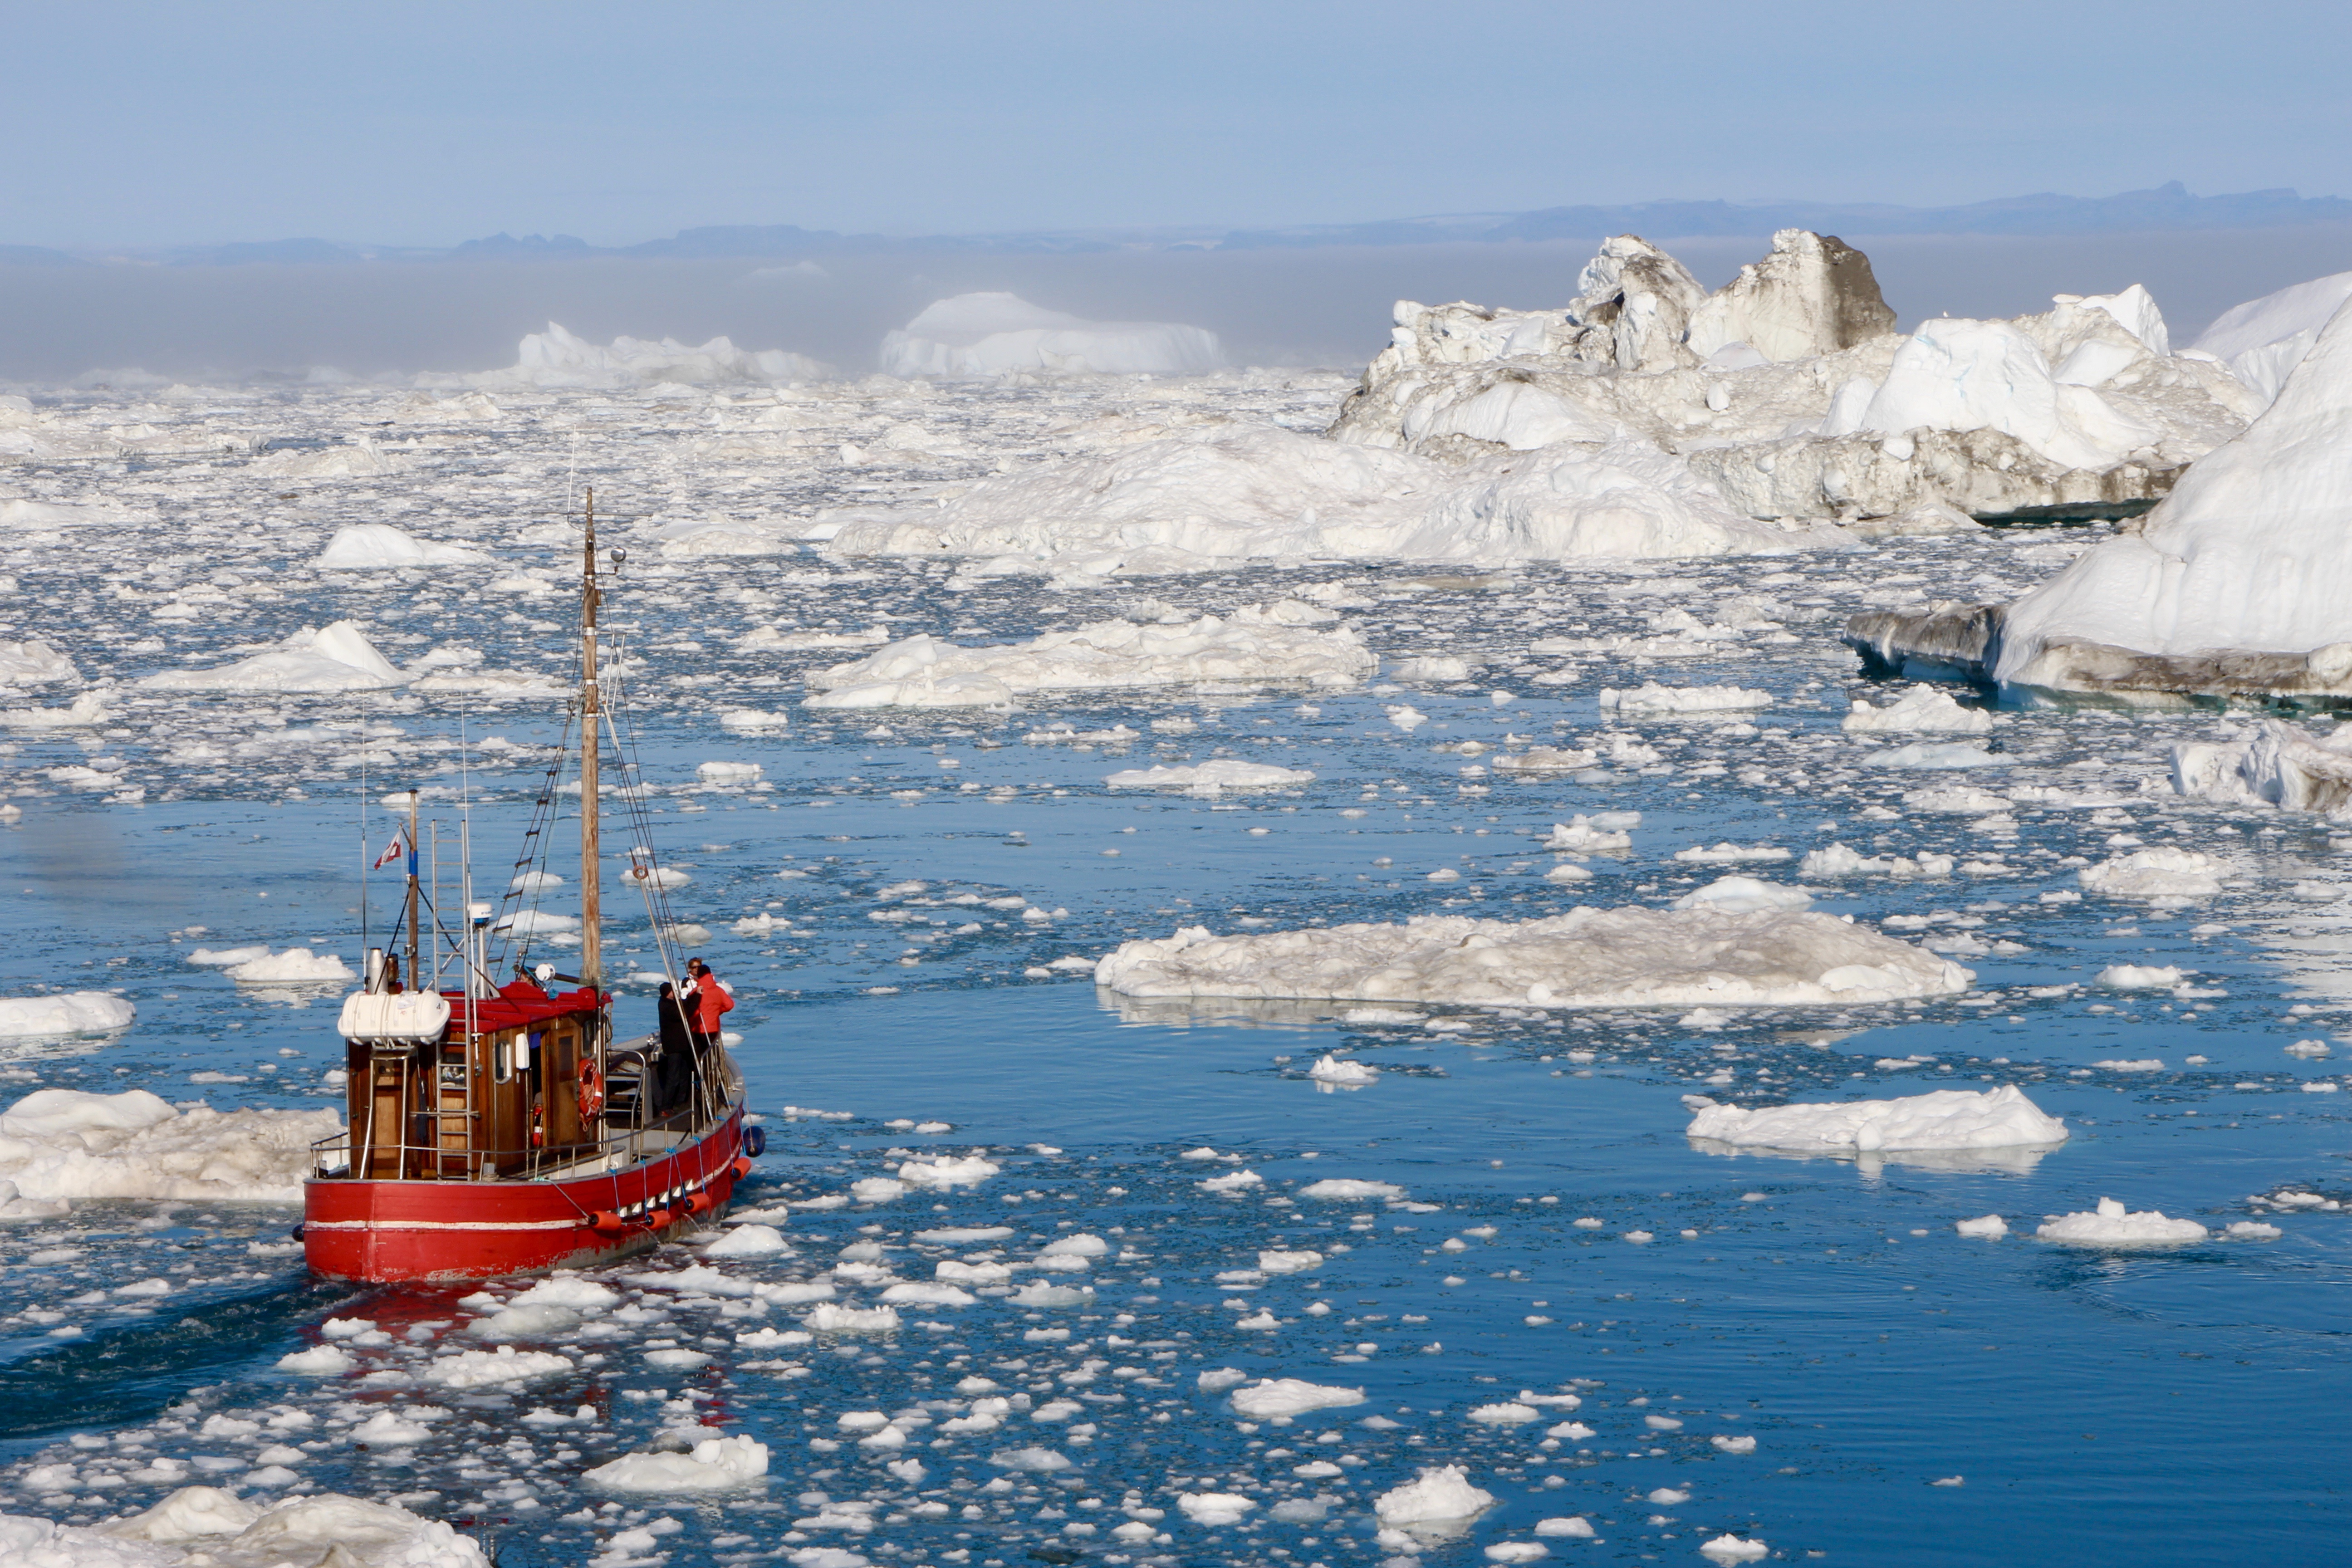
[[592, 1093], [538, 1127]]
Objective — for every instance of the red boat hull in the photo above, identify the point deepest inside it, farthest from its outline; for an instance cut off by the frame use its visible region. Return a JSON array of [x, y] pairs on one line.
[[385, 1231]]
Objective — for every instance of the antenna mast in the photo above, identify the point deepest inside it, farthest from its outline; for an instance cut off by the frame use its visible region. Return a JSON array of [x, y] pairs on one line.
[[592, 809]]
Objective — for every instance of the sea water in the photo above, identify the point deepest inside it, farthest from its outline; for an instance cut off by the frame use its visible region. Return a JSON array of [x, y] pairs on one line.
[[1910, 1392]]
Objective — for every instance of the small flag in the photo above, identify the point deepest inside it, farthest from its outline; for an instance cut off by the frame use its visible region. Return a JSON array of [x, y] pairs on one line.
[[392, 851]]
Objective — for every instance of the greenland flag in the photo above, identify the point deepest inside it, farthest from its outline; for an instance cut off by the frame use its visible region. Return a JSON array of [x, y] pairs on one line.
[[392, 852]]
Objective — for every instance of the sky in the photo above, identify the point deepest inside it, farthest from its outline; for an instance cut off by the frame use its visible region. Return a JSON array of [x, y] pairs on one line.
[[134, 123]]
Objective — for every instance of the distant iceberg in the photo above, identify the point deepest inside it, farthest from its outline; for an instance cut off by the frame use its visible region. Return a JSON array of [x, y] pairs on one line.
[[997, 334], [560, 359]]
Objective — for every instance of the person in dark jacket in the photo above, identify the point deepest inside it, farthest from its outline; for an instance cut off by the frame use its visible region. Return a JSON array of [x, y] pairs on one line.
[[671, 1074]]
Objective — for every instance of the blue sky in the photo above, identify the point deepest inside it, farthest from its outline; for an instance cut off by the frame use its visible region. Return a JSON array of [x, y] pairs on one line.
[[426, 122]]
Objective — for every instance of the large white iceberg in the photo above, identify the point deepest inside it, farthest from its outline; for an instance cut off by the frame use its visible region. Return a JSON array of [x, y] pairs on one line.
[[2240, 580], [1944, 1118], [2264, 340], [66, 1143], [337, 657], [558, 359], [1585, 958], [1285, 643], [1196, 502], [989, 334]]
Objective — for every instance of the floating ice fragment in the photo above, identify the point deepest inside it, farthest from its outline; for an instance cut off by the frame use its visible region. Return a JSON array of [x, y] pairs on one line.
[[1212, 1509], [1288, 1396], [1577, 1528], [1348, 1188], [1732, 1548], [2139, 977], [68, 1013], [1439, 1495], [1742, 1444], [2111, 1226], [1991, 1227], [715, 1464], [1510, 1413], [1944, 1118]]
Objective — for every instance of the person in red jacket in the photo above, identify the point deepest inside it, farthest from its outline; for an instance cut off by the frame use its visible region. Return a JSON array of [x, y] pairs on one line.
[[706, 1001]]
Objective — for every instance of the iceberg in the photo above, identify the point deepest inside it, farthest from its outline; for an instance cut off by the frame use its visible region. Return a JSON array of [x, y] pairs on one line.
[[560, 359], [1258, 493], [2278, 764], [2264, 340], [1281, 643], [2240, 582], [2110, 1224], [992, 335], [1703, 955], [334, 658], [372, 546]]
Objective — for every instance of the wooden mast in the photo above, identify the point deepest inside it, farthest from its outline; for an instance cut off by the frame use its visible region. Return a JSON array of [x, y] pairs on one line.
[[414, 977], [592, 809]]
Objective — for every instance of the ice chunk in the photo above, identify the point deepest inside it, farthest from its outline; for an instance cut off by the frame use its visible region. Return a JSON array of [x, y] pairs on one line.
[[1291, 1396], [991, 334], [201, 1524], [1937, 754], [1732, 1548], [1350, 1189], [829, 1317], [1602, 833], [1575, 1527], [2139, 977], [715, 1464], [335, 657], [33, 662], [1213, 777], [1440, 1495], [1511, 1413], [1276, 643], [483, 1369], [1991, 1227], [948, 1170], [1029, 1461], [378, 546], [2111, 1226], [748, 1241], [1744, 896], [66, 1012], [67, 1143], [319, 1360], [1651, 698], [1585, 958], [2277, 765], [2163, 872], [1343, 1074], [1945, 1119], [294, 966]]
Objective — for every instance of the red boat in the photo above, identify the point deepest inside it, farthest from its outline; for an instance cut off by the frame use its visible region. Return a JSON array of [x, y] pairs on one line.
[[499, 1129]]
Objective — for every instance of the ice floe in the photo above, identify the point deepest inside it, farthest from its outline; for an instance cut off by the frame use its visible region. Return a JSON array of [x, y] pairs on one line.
[[1945, 1119], [2110, 1224], [720, 1463], [204, 1525], [65, 1013], [67, 1143], [1586, 958]]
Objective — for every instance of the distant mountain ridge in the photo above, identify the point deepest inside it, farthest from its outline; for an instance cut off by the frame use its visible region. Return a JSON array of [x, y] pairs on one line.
[[2167, 207]]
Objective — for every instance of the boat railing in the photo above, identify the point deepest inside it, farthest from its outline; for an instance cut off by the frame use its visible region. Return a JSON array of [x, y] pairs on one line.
[[454, 1160]]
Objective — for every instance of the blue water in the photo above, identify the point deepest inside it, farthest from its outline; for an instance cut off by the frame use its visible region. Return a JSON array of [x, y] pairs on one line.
[[2176, 1407]]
